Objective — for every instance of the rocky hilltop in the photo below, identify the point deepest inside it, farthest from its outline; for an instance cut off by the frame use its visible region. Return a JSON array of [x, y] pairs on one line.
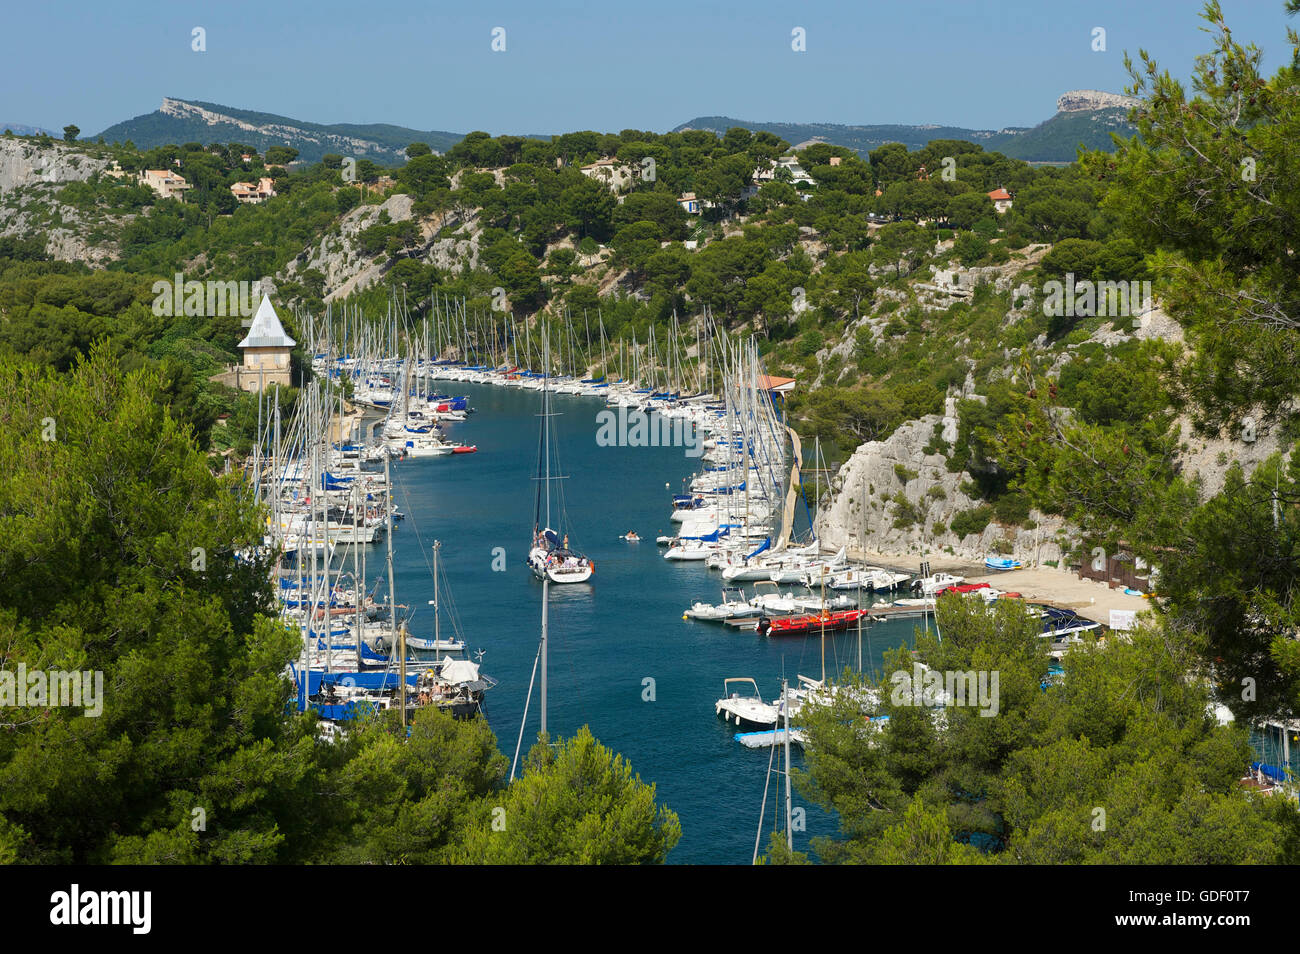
[[1081, 100], [31, 174], [180, 120], [25, 163], [334, 142]]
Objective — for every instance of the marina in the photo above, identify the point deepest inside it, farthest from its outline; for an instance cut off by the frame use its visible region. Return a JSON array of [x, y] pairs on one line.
[[501, 530], [621, 659]]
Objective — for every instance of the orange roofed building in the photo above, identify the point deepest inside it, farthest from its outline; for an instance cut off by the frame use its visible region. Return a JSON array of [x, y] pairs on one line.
[[775, 385]]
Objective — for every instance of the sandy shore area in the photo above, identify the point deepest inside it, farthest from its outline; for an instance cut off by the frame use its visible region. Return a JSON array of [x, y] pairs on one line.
[[1043, 584]]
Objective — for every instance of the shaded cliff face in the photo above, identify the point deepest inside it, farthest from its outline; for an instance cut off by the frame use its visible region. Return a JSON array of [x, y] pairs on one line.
[[864, 512]]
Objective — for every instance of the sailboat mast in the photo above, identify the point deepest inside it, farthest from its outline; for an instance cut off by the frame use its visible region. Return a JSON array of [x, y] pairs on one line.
[[437, 545], [392, 603], [546, 598], [785, 704], [546, 578]]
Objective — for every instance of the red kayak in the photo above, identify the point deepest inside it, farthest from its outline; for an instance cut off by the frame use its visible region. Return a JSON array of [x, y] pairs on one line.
[[465, 449], [813, 623]]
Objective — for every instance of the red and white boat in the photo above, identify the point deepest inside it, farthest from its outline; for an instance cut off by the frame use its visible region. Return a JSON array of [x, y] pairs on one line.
[[811, 623]]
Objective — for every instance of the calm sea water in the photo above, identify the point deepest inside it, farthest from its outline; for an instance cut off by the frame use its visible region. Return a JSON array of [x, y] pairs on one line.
[[609, 636]]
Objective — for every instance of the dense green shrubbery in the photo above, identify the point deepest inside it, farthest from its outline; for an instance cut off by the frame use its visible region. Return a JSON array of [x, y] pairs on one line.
[[967, 522]]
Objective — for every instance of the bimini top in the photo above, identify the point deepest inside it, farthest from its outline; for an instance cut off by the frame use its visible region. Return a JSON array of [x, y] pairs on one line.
[[266, 330]]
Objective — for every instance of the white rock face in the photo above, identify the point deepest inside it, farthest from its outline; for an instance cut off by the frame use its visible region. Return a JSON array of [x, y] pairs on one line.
[[1078, 100], [348, 145], [24, 163], [30, 177], [875, 473]]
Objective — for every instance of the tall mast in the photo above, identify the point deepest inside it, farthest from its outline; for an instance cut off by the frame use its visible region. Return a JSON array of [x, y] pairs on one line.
[[436, 615], [392, 602], [546, 579], [785, 704]]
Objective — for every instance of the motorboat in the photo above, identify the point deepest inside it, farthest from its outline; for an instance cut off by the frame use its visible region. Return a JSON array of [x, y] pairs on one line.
[[745, 709], [811, 623], [933, 584], [733, 606]]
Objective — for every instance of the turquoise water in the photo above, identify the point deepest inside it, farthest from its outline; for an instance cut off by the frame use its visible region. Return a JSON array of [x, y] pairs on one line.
[[608, 636]]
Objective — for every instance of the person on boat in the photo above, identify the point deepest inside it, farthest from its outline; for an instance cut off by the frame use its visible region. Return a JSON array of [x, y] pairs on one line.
[[566, 541]]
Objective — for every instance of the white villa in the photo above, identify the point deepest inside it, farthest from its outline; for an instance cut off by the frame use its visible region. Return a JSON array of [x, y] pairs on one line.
[[169, 185], [616, 175], [767, 173]]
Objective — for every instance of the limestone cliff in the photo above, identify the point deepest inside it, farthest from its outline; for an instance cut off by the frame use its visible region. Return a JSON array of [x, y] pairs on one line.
[[879, 471]]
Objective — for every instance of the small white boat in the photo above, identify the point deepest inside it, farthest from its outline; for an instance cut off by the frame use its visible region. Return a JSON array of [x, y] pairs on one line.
[[854, 579], [815, 604], [424, 447], [766, 738], [689, 551], [933, 584], [885, 580], [733, 606], [773, 601], [745, 709], [439, 645]]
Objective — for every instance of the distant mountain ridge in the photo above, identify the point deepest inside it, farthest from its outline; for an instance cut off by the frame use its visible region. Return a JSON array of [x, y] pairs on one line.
[[1086, 117], [22, 129], [179, 121]]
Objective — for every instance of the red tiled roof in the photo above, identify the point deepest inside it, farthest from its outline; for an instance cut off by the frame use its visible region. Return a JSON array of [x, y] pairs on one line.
[[767, 382], [1000, 195]]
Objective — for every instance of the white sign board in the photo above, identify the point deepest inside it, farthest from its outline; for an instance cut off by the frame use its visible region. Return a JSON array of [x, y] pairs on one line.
[[1123, 619]]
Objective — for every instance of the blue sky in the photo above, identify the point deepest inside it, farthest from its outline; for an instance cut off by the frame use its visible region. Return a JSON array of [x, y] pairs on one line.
[[586, 65]]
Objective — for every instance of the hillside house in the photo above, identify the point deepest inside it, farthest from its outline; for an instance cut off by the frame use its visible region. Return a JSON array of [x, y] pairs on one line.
[[1001, 200], [767, 173], [616, 175], [251, 193], [690, 203], [169, 185]]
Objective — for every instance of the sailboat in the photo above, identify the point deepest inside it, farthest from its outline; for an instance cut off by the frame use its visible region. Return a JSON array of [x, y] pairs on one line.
[[549, 556], [437, 644]]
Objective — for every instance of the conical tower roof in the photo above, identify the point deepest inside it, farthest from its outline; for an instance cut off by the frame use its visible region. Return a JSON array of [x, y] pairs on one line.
[[266, 330]]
